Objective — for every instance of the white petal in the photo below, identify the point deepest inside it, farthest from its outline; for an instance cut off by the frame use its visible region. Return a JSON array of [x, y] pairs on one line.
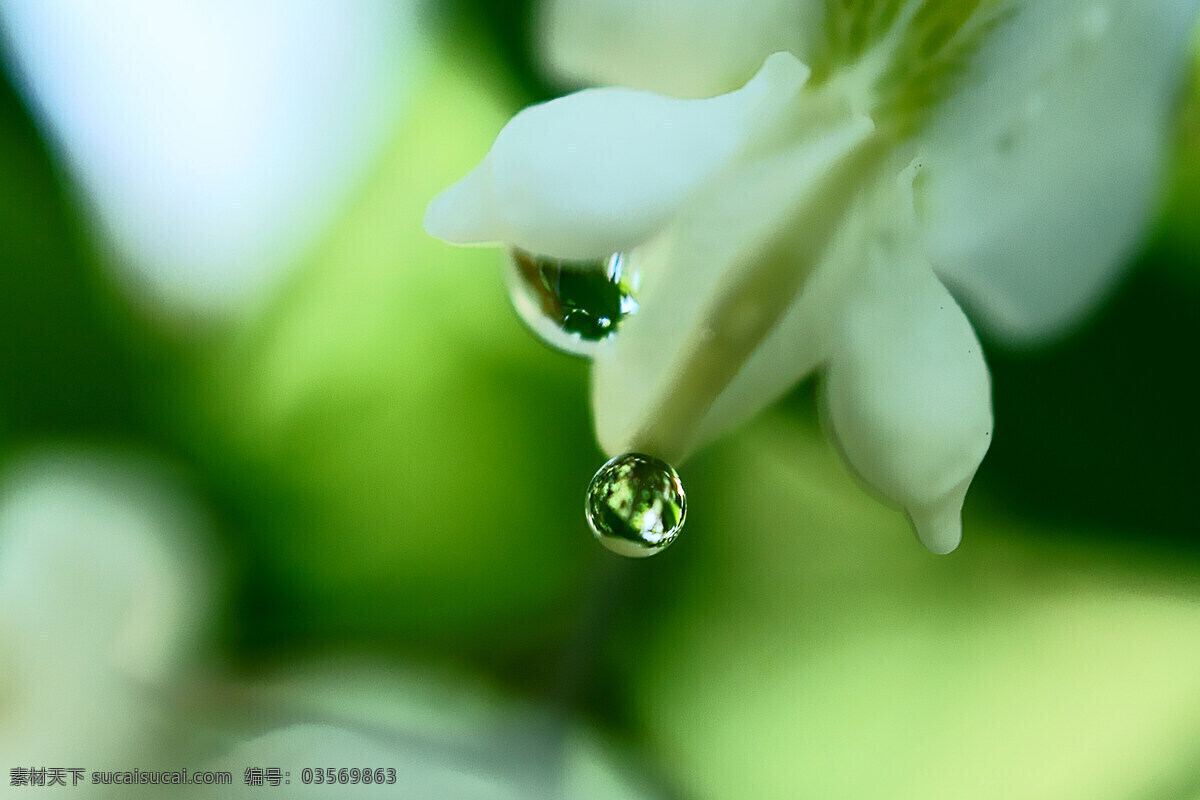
[[1043, 169], [684, 48], [907, 390], [717, 282], [601, 170], [801, 340], [214, 138]]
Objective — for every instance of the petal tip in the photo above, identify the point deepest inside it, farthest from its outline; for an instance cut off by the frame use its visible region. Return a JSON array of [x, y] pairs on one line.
[[781, 74], [462, 213], [784, 64], [939, 526]]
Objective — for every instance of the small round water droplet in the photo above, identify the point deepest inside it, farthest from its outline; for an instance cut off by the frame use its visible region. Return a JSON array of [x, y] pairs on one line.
[[571, 305], [635, 505]]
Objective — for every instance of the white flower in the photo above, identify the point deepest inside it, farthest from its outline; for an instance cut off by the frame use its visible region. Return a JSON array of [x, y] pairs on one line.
[[813, 217], [214, 140], [103, 591]]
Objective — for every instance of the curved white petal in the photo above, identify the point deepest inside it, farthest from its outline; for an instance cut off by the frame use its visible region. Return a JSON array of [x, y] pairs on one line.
[[907, 391], [787, 354], [601, 170], [214, 138], [718, 282], [683, 48], [102, 590], [1042, 170]]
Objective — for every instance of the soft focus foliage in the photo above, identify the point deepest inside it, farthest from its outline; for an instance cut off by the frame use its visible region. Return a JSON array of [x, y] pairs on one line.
[[851, 665], [462, 513], [444, 735], [347, 526]]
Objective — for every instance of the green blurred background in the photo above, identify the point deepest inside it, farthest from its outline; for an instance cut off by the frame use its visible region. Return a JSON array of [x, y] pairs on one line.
[[395, 466]]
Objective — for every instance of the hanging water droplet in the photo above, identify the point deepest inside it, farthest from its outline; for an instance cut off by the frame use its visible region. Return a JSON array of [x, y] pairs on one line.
[[635, 505], [571, 305]]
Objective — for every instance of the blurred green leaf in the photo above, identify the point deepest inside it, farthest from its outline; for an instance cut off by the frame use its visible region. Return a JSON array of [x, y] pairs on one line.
[[809, 647], [70, 357], [428, 457], [1179, 230]]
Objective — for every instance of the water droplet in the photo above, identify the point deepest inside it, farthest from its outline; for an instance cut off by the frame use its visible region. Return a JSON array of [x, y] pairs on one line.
[[635, 505], [571, 305]]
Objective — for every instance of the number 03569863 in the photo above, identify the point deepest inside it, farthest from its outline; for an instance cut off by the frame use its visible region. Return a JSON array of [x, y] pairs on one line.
[[348, 775]]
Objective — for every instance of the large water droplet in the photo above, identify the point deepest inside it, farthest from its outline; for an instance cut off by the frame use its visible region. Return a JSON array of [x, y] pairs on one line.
[[635, 505], [571, 305]]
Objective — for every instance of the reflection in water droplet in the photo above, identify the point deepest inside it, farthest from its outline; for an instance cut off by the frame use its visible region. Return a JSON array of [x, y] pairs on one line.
[[571, 305], [635, 505]]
